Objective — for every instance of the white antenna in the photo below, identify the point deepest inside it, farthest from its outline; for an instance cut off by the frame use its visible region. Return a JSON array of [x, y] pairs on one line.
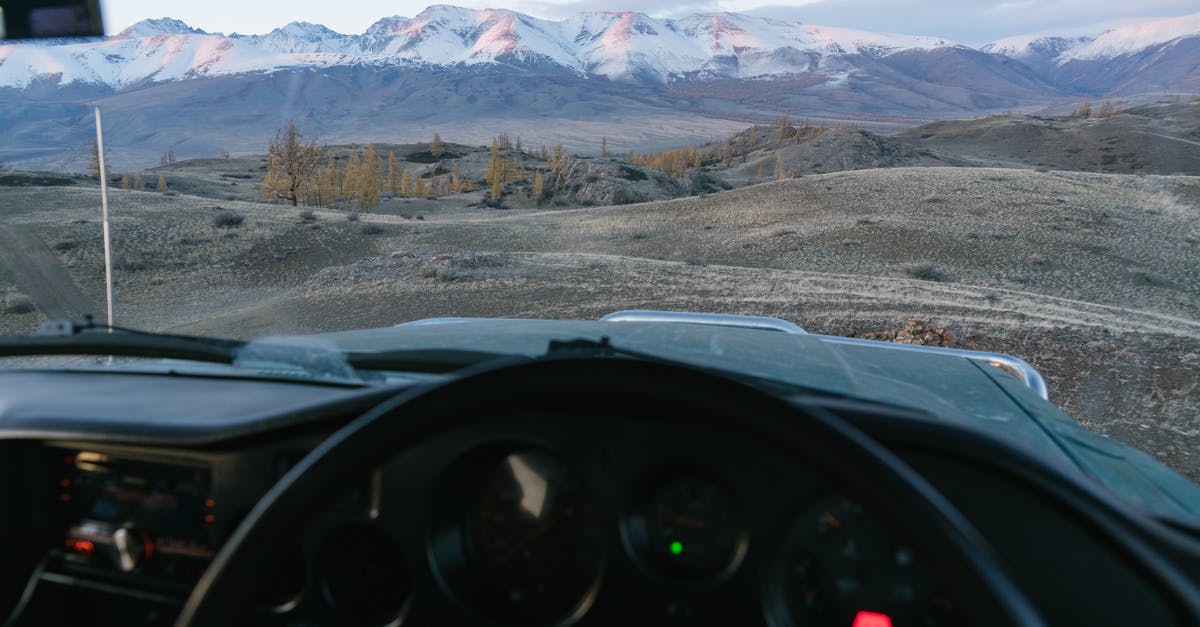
[[108, 281]]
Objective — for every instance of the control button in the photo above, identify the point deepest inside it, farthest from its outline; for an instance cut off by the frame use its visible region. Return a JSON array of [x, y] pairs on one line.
[[132, 548]]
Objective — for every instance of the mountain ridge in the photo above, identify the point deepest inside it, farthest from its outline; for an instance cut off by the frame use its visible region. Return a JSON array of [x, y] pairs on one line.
[[623, 45], [641, 82], [617, 45]]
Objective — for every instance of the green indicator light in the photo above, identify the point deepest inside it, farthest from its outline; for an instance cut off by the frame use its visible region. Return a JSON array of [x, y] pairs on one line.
[[676, 547]]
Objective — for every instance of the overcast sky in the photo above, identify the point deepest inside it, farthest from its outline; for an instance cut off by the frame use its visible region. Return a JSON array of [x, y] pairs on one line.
[[971, 22]]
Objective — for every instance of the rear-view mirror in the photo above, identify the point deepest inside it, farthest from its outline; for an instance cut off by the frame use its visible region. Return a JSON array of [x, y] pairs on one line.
[[43, 19]]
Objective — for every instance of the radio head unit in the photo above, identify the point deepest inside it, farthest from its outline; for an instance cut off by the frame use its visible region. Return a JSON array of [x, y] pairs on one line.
[[136, 516]]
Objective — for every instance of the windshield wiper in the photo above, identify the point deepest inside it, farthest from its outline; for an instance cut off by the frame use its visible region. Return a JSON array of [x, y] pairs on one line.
[[446, 360], [86, 337], [597, 348]]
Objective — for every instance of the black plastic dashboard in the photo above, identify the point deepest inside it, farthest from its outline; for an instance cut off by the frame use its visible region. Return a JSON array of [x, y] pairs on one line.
[[123, 487]]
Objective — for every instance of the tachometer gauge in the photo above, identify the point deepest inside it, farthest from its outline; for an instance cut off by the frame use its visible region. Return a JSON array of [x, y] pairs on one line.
[[687, 528], [533, 539], [842, 566]]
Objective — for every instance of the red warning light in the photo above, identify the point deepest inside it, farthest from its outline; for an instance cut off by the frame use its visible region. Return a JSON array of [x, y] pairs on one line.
[[83, 547], [872, 619]]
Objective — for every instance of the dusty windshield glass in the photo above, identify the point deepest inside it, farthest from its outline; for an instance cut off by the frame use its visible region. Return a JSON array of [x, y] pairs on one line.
[[1024, 182]]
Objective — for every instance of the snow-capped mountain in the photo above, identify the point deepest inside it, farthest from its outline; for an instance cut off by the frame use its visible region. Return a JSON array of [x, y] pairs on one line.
[[617, 45], [1158, 55], [1038, 49], [1136, 38], [154, 28], [301, 37]]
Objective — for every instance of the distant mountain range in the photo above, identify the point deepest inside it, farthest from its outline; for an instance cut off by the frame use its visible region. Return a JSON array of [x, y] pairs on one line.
[[623, 46], [1156, 56], [617, 45], [451, 65]]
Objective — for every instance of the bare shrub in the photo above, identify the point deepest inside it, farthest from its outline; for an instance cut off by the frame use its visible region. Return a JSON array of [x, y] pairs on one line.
[[1152, 278], [126, 263], [441, 274], [370, 229], [1166, 203], [352, 216], [927, 271], [227, 220], [17, 304]]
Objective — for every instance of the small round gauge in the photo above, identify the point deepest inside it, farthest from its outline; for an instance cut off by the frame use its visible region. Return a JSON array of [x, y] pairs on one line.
[[363, 575], [840, 565], [687, 528], [533, 537]]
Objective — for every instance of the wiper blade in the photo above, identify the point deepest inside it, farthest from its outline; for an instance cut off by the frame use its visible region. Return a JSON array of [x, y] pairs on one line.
[[446, 360], [592, 348], [85, 337]]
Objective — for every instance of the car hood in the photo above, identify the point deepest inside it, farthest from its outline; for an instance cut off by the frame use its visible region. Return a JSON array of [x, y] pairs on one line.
[[950, 386]]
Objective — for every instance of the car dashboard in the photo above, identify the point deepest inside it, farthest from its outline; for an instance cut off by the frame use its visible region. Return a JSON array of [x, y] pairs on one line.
[[116, 502]]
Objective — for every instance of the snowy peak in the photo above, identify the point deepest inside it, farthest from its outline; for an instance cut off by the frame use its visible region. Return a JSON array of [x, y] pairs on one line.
[[1135, 38], [302, 37], [157, 27], [1036, 48]]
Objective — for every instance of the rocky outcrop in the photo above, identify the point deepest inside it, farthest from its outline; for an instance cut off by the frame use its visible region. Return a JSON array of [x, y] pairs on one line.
[[914, 332], [614, 182]]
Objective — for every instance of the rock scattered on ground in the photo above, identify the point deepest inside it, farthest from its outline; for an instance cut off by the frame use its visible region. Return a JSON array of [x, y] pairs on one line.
[[914, 332]]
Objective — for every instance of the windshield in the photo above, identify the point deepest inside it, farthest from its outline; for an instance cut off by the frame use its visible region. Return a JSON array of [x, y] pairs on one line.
[[1019, 178]]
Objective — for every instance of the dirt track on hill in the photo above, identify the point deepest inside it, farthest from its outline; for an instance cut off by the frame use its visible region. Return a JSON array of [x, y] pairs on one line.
[[29, 264]]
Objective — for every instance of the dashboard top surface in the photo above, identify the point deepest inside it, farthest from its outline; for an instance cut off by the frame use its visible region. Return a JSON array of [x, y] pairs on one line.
[[158, 408]]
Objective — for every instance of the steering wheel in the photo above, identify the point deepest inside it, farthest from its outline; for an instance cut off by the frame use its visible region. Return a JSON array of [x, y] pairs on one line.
[[897, 494]]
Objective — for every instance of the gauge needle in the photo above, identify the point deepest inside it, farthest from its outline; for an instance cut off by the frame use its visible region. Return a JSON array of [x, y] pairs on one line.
[[523, 542], [686, 521]]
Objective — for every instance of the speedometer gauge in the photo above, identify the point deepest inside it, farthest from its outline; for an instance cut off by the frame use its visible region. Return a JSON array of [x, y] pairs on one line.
[[840, 565], [687, 528], [532, 538]]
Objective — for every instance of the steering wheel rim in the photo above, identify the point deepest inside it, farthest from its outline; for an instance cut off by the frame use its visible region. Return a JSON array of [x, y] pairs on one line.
[[895, 492]]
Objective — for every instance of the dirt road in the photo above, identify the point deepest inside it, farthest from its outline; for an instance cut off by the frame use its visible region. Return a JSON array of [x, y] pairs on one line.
[[28, 263]]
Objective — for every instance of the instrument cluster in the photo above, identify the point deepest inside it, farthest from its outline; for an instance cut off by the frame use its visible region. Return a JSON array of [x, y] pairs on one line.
[[525, 532]]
